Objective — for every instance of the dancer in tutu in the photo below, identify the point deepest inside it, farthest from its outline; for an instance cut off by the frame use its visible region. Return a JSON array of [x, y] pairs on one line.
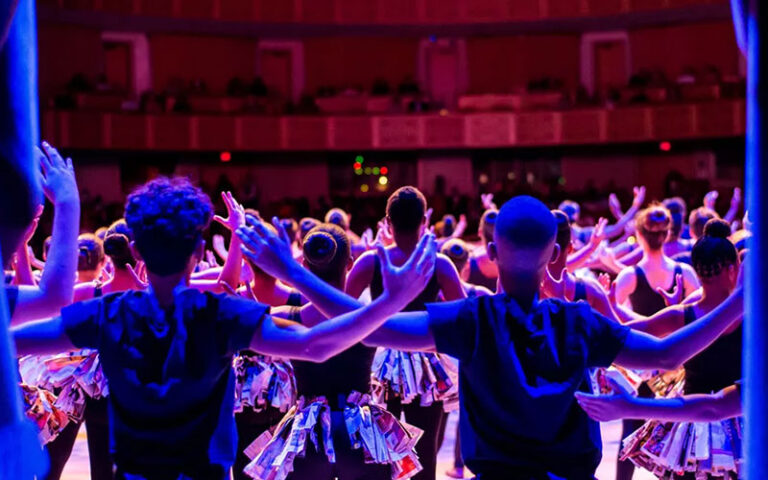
[[167, 352], [420, 399], [642, 286], [482, 270], [716, 263], [340, 433]]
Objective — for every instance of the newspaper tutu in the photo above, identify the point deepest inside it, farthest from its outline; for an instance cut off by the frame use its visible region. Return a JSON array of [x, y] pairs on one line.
[[431, 376], [73, 376], [662, 384], [668, 449], [263, 382], [40, 407], [383, 439]]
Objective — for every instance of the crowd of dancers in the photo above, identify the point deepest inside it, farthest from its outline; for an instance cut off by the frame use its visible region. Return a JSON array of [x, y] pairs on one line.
[[301, 350]]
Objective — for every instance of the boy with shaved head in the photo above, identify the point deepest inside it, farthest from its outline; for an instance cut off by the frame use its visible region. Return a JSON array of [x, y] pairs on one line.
[[521, 359]]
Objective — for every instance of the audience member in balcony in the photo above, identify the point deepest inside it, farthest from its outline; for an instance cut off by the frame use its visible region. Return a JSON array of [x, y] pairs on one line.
[[407, 222]]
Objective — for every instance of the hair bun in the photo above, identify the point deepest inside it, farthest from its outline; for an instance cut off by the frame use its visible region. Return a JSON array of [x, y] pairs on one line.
[[115, 244], [717, 228], [657, 220], [319, 248]]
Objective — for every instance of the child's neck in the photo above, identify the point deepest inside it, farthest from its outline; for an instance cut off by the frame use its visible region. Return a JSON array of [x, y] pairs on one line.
[[163, 286], [523, 290]]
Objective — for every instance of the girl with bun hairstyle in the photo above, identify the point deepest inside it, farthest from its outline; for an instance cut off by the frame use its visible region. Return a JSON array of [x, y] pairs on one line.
[[333, 401], [117, 248], [641, 287], [716, 262], [457, 252]]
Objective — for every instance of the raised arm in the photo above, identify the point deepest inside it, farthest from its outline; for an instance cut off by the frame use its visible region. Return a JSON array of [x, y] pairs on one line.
[[23, 265], [230, 273], [57, 283], [330, 337], [644, 351], [579, 258], [733, 211], [618, 228]]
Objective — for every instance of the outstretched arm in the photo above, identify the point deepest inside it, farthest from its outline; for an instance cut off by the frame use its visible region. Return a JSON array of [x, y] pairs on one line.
[[405, 331], [690, 408], [579, 258], [618, 228], [644, 351], [58, 281], [41, 337]]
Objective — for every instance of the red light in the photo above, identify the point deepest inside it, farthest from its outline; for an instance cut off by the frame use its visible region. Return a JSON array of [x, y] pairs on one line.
[[225, 156], [383, 170], [665, 146], [357, 166]]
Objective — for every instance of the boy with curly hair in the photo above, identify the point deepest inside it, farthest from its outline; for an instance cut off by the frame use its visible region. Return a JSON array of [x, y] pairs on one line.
[[167, 351]]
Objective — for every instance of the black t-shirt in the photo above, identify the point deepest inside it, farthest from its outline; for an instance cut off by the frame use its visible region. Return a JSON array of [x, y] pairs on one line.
[[518, 373], [170, 375]]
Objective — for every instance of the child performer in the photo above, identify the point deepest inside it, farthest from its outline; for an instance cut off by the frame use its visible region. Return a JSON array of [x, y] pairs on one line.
[[167, 352], [355, 438], [420, 400], [521, 360]]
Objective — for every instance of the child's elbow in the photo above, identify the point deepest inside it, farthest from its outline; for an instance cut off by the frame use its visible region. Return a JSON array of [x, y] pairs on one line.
[[316, 351]]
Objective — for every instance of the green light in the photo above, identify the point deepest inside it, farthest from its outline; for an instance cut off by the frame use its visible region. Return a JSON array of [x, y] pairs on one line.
[[367, 170], [375, 170], [359, 159], [358, 171]]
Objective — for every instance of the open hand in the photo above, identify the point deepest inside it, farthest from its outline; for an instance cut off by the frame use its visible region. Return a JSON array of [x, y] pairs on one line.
[[710, 199], [638, 196], [604, 408], [614, 206], [405, 283], [598, 233], [58, 176], [139, 275], [269, 251], [235, 213], [736, 198], [487, 199], [676, 296]]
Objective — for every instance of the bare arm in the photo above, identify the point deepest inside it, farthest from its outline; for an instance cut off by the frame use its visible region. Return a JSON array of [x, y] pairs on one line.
[[41, 337], [448, 279], [644, 351], [230, 273], [618, 228], [660, 324], [58, 281], [361, 275], [690, 408], [405, 331]]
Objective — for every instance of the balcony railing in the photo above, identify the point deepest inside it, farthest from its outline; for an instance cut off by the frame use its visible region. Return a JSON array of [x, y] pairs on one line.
[[241, 132]]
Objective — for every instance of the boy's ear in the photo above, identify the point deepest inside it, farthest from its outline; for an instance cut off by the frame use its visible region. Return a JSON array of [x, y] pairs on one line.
[[135, 252], [555, 253], [492, 253]]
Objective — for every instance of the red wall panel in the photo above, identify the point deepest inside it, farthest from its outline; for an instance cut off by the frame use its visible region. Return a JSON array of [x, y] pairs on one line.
[[352, 61], [503, 64], [215, 60], [671, 49], [64, 51]]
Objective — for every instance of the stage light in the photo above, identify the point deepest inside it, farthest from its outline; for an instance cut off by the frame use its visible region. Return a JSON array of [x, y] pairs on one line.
[[367, 170], [632, 240], [358, 171], [225, 156], [364, 187], [511, 175], [375, 170], [483, 178], [357, 166], [383, 180], [359, 159], [384, 170], [665, 146]]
